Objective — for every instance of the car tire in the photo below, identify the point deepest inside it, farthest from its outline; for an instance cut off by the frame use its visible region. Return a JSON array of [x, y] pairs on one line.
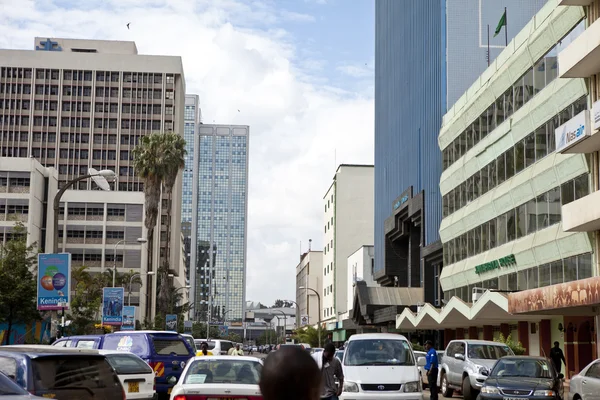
[[467, 391], [446, 391]]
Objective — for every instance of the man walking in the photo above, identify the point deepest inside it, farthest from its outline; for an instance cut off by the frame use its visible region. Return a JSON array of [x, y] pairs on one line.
[[331, 369], [432, 369], [557, 357]]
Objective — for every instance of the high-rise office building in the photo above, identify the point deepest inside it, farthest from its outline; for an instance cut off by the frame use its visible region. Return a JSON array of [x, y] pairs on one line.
[[427, 53], [219, 225], [191, 120], [76, 104]]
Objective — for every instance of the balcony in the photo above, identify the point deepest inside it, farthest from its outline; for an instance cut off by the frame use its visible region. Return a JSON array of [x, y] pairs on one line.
[[581, 59], [582, 215]]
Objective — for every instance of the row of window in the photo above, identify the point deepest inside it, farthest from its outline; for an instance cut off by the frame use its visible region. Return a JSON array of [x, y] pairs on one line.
[[14, 181], [85, 91], [523, 154], [94, 211], [96, 257], [101, 76], [328, 312], [532, 216], [522, 91], [90, 234], [14, 209], [328, 248], [565, 270], [15, 104]]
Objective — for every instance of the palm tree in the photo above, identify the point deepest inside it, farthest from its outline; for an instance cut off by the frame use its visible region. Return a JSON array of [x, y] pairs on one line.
[[157, 160]]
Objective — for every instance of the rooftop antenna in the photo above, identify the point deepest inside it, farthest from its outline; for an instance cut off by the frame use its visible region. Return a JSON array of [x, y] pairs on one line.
[[309, 244]]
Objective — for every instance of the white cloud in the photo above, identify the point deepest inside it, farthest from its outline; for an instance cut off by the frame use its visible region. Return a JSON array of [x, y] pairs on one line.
[[356, 71], [297, 17], [296, 125]]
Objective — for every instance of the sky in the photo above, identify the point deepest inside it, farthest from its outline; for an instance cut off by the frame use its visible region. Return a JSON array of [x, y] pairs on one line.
[[299, 71]]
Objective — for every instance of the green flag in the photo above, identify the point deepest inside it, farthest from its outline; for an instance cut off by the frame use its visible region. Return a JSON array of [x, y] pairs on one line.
[[501, 23]]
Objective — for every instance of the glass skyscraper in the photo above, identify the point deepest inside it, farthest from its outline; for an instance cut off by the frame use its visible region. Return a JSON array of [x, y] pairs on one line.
[[220, 204]]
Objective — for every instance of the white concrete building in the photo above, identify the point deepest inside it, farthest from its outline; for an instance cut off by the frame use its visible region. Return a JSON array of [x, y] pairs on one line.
[[349, 219], [309, 275], [360, 268]]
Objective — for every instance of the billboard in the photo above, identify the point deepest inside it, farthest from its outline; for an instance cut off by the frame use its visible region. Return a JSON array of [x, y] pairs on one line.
[[112, 305], [171, 322], [54, 281], [128, 318], [573, 131], [303, 320], [223, 330]]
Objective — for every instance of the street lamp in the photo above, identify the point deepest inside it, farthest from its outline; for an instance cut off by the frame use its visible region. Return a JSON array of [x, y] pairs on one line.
[[225, 319], [131, 283], [284, 323], [319, 307], [139, 240], [105, 173], [297, 312]]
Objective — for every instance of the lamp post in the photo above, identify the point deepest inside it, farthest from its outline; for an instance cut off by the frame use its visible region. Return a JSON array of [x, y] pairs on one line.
[[105, 173], [139, 240], [131, 283], [297, 312], [284, 323], [319, 307], [225, 319]]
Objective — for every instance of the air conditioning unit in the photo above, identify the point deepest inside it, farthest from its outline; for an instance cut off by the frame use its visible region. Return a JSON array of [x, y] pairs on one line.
[[477, 293]]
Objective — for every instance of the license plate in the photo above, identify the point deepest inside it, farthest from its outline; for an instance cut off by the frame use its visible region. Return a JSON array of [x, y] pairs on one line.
[[134, 387], [512, 398]]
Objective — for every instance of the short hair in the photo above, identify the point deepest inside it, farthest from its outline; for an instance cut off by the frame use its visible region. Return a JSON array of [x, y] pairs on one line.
[[428, 342], [556, 343], [329, 347], [290, 373]]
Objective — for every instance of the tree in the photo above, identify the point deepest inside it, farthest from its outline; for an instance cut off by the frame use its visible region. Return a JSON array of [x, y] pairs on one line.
[[157, 160], [269, 336], [310, 335], [234, 337], [515, 346], [199, 331], [282, 303], [18, 297]]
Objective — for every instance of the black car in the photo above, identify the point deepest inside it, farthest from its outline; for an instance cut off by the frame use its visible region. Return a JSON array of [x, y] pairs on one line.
[[522, 377]]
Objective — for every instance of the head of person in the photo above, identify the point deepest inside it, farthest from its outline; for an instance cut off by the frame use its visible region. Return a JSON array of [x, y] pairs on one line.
[[556, 344], [329, 351], [237, 346], [290, 374], [428, 345], [204, 347]]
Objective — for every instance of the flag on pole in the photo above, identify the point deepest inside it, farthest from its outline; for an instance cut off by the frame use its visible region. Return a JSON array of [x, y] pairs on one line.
[[501, 23]]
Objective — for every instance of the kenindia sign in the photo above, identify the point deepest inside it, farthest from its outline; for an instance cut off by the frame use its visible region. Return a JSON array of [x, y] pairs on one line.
[[507, 261]]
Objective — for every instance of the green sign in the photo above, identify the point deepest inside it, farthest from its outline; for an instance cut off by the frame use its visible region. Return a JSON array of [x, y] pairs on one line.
[[507, 261]]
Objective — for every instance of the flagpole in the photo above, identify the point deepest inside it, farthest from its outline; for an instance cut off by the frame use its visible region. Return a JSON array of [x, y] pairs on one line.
[[488, 49], [505, 27]]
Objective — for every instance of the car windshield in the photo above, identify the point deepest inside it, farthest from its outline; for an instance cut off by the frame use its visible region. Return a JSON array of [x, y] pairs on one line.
[[522, 367], [228, 372], [168, 346], [8, 387], [128, 364], [378, 352], [488, 351]]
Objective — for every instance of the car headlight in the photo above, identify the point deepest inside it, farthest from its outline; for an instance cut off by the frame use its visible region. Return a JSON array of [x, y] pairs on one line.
[[544, 393], [490, 390], [350, 387], [483, 371], [411, 387]]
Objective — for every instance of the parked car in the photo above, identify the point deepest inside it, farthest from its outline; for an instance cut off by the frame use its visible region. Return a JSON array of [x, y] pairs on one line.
[[191, 341], [522, 377], [136, 376], [81, 342], [466, 365], [339, 354], [63, 373], [166, 352], [316, 350], [380, 366], [586, 384], [220, 377], [220, 347], [9, 390]]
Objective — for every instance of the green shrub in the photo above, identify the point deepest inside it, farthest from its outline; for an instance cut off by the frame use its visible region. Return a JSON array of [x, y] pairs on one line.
[[515, 346]]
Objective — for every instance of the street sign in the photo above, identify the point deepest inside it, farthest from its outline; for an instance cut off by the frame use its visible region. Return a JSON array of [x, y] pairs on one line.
[[303, 320], [112, 305], [54, 281]]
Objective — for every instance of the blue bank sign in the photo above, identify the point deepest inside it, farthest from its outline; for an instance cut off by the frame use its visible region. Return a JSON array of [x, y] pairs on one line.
[[112, 305], [403, 200], [573, 131], [54, 281]]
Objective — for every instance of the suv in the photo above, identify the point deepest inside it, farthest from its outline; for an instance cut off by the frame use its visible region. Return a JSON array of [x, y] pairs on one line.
[[220, 347], [466, 364]]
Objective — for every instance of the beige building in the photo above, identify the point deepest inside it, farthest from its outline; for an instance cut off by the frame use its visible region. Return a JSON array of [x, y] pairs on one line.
[[309, 275], [75, 104]]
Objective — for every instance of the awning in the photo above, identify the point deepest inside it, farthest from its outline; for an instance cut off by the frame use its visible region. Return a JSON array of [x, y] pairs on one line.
[[490, 309], [368, 300]]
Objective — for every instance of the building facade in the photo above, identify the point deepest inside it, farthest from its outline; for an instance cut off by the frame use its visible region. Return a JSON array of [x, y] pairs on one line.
[[421, 49], [219, 227], [76, 104], [360, 269], [309, 275], [514, 261], [348, 206]]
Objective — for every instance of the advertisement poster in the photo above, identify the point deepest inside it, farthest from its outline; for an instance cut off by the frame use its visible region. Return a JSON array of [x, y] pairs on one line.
[[171, 322], [303, 320], [112, 305], [54, 279], [223, 330], [128, 318]]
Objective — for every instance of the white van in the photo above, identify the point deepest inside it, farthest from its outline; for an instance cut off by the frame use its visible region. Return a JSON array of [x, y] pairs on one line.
[[380, 366]]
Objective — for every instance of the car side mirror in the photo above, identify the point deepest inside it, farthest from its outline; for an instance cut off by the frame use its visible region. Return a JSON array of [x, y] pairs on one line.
[[421, 361], [459, 356], [561, 376], [485, 372]]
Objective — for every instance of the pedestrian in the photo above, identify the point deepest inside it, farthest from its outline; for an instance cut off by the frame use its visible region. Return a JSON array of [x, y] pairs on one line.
[[237, 351], [557, 357], [432, 369], [290, 374], [204, 350], [331, 370]]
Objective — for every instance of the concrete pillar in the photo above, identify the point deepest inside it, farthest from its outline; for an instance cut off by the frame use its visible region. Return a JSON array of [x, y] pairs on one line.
[[523, 329], [473, 333], [545, 337], [488, 332], [460, 333], [505, 330], [448, 336]]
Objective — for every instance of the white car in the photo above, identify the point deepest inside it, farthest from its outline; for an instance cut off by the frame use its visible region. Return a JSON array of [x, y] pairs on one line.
[[219, 377], [586, 384], [136, 376]]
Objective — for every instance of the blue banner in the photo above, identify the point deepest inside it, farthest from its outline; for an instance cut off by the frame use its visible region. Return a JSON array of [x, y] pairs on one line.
[[171, 322], [54, 281], [223, 330], [128, 318], [112, 305]]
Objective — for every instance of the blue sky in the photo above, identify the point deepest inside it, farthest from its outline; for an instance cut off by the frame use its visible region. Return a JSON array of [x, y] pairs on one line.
[[294, 68]]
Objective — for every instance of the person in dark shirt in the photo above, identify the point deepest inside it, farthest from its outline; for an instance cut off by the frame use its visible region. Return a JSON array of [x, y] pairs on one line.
[[557, 357], [432, 369]]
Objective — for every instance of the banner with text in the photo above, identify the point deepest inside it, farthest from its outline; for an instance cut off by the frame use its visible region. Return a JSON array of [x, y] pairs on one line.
[[54, 280], [112, 305], [128, 318]]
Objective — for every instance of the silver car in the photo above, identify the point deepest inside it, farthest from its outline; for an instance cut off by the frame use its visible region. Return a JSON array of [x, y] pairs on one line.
[[9, 390], [586, 384]]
